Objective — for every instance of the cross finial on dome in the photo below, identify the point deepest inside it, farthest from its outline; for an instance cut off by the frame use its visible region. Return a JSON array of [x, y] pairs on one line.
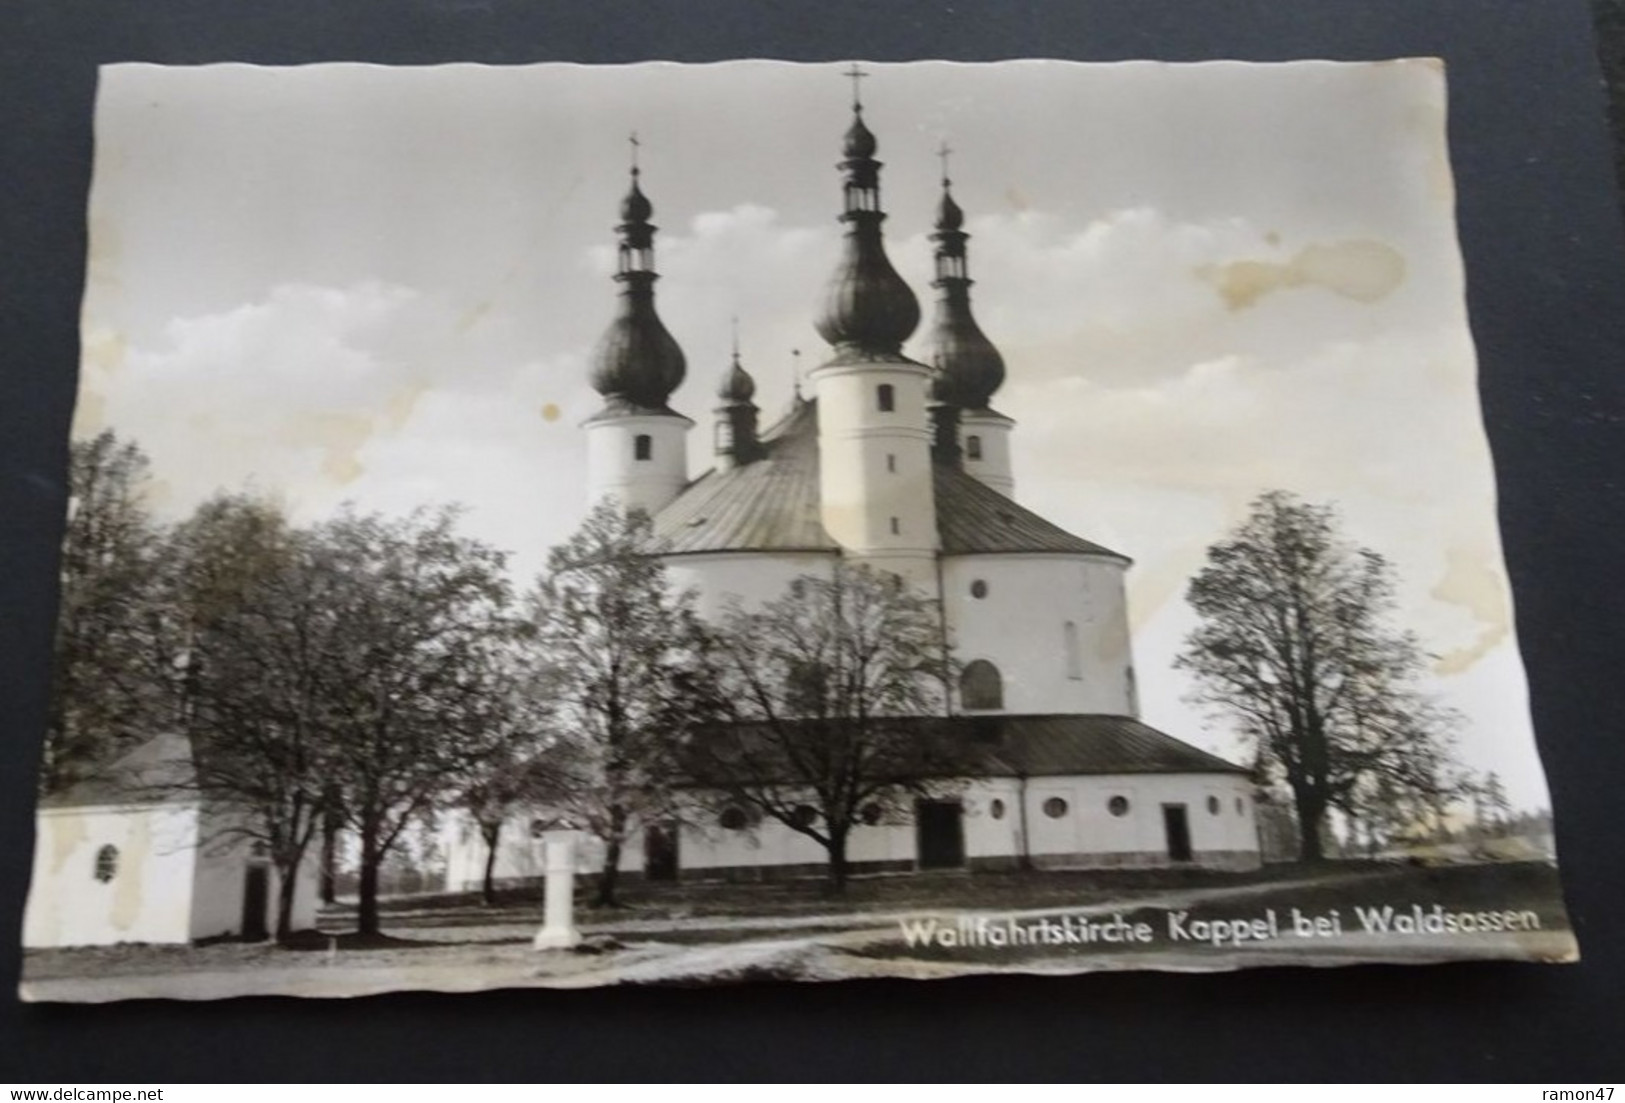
[[943, 152], [734, 322], [632, 140], [855, 74]]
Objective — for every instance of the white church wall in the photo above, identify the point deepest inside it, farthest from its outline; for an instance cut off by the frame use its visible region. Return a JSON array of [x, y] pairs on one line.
[[751, 578], [1088, 833], [1020, 626], [220, 881], [616, 471], [147, 898]]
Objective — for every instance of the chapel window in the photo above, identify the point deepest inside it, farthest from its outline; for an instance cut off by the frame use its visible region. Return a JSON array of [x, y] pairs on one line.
[[981, 686], [886, 398], [106, 863], [1073, 653]]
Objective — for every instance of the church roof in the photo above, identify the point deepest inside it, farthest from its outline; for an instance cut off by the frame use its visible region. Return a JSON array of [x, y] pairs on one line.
[[155, 772], [772, 504], [1047, 746], [1088, 745]]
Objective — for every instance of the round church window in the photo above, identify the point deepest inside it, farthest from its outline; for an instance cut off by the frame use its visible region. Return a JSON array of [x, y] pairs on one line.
[[996, 809], [1213, 806], [1118, 806], [106, 863], [733, 818], [1055, 808], [978, 589]]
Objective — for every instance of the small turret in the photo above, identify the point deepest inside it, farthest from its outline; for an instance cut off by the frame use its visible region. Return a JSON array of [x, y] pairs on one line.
[[736, 438]]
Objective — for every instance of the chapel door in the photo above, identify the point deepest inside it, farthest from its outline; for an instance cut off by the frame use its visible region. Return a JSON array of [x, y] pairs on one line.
[[256, 894], [940, 834], [1177, 825], [660, 853]]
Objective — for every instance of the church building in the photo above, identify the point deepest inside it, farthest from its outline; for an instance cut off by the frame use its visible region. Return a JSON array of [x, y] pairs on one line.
[[903, 464]]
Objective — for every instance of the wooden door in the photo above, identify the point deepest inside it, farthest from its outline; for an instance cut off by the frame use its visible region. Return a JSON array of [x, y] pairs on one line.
[[256, 895], [940, 834], [1176, 822]]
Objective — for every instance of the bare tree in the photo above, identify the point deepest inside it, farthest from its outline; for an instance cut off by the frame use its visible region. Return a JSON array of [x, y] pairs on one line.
[[108, 685], [623, 649], [1295, 647], [825, 688]]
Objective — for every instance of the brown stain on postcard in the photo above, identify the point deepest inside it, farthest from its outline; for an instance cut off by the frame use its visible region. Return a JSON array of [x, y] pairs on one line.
[[1471, 582], [1359, 269]]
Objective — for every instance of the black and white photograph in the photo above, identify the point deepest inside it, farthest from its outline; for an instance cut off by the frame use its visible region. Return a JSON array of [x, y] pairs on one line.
[[564, 525]]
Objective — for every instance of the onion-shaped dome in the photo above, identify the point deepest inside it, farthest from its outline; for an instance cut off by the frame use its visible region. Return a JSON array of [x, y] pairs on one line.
[[860, 140], [969, 368], [637, 360], [737, 387], [867, 304], [636, 206], [949, 216]]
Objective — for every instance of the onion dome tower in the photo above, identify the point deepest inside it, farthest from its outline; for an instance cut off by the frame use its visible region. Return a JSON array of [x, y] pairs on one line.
[[637, 453], [968, 432], [736, 440], [874, 437]]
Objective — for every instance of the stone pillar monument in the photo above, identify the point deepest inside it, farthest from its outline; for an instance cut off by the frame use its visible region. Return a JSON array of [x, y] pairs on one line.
[[558, 908]]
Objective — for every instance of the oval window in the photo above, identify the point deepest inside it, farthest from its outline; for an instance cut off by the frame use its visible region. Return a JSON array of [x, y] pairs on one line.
[[1055, 808], [978, 589], [804, 815], [996, 809], [732, 818], [871, 814], [106, 863], [1213, 806], [1118, 806]]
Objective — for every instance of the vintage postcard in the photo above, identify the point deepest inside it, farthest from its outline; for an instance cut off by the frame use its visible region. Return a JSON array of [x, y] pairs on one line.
[[566, 525]]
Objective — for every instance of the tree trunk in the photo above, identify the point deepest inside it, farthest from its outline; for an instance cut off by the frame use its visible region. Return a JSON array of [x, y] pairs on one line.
[[1311, 814], [287, 885], [371, 859], [609, 875], [837, 864], [330, 852], [488, 887]]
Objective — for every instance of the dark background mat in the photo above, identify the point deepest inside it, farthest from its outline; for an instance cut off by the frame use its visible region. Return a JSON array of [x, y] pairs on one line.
[[1541, 233]]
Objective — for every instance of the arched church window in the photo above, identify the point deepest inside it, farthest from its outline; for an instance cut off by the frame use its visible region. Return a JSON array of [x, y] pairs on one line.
[[106, 863], [980, 686], [973, 447], [643, 447], [1074, 654], [886, 398]]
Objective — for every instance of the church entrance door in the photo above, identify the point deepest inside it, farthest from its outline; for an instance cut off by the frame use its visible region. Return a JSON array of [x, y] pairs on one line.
[[939, 834], [660, 853], [1177, 825], [256, 894]]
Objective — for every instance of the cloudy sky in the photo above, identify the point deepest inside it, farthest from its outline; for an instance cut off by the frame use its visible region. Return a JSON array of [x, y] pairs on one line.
[[380, 285]]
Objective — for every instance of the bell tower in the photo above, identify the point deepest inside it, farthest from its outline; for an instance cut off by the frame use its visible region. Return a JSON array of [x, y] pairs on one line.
[[874, 436], [969, 433], [637, 450]]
